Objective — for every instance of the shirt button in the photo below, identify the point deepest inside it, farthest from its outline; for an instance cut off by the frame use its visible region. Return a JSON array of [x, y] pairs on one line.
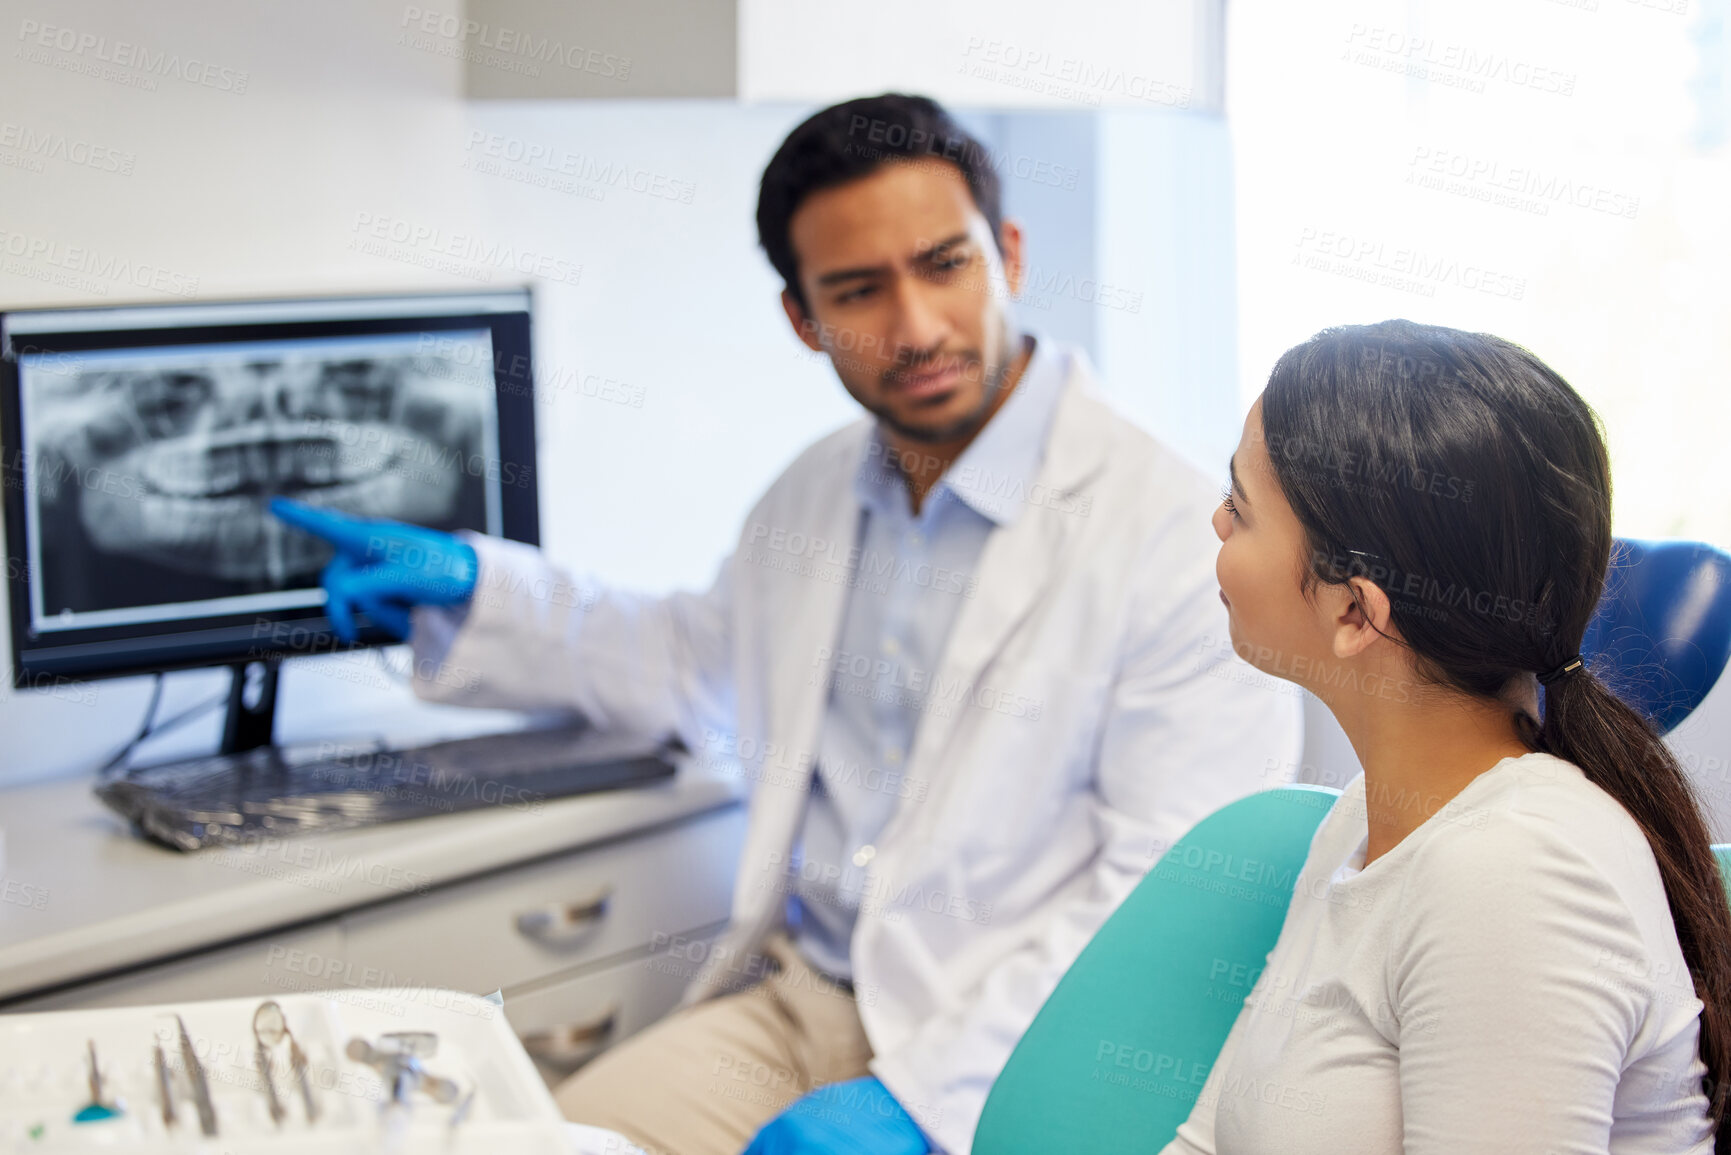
[[915, 539], [864, 855], [891, 646], [893, 756]]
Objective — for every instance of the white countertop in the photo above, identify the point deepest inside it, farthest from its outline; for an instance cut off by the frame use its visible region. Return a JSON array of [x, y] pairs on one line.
[[82, 896]]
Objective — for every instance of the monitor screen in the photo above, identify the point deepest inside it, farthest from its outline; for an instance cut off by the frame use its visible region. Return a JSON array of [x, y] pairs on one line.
[[142, 445]]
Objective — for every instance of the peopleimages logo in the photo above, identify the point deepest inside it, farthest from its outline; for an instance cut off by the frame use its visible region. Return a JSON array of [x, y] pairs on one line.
[[1523, 187], [463, 253], [1399, 266], [86, 268], [44, 145], [556, 161], [124, 54], [529, 49]]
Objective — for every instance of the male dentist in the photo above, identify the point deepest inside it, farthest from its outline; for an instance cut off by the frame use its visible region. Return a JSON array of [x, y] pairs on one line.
[[966, 649]]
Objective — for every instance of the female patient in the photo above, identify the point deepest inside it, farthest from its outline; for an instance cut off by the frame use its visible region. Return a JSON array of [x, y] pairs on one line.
[[1510, 934]]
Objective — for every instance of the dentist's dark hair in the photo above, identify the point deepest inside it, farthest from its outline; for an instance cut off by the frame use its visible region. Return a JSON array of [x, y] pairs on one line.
[[847, 141], [1461, 475]]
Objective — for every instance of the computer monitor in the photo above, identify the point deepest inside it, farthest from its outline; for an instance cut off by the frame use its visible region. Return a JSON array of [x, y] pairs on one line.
[[142, 443]]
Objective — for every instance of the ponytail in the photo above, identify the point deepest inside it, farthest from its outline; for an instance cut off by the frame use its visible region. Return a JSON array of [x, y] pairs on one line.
[[1620, 752]]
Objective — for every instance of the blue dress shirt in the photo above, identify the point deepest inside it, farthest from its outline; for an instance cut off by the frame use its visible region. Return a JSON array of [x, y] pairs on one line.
[[913, 575]]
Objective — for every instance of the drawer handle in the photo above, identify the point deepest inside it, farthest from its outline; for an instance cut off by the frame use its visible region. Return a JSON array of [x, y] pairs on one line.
[[556, 924], [568, 1047]]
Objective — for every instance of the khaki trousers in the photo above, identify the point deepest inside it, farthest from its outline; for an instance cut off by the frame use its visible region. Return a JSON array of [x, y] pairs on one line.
[[703, 1080]]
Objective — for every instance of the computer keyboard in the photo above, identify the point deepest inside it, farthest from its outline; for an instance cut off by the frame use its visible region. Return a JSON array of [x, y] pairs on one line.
[[277, 792]]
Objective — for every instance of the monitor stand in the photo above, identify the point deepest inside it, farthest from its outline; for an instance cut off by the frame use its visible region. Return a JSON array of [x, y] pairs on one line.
[[251, 717]]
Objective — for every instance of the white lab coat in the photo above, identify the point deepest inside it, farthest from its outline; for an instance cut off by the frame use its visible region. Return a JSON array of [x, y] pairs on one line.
[[1107, 715]]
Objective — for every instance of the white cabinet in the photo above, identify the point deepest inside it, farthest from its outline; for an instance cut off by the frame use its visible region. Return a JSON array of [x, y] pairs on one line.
[[530, 921], [572, 941], [258, 967]]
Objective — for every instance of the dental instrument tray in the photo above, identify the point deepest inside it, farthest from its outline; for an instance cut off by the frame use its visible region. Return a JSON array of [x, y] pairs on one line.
[[275, 791], [392, 1070]]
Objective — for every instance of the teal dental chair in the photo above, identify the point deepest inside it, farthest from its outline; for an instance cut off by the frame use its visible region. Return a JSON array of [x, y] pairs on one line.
[[1118, 1054]]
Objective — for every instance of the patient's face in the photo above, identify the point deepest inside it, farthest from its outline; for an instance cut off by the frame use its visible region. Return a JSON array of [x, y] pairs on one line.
[[1260, 567], [907, 291]]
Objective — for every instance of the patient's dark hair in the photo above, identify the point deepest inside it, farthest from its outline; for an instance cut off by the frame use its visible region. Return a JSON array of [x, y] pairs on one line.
[[847, 141], [1463, 476]]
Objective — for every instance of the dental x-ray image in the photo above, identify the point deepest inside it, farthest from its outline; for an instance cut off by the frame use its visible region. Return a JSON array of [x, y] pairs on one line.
[[150, 469]]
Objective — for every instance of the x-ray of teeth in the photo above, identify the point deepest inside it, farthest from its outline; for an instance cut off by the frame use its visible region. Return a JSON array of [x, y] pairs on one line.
[[151, 474]]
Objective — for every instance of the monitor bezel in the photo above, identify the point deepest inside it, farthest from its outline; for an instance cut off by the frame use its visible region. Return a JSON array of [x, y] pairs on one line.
[[144, 648]]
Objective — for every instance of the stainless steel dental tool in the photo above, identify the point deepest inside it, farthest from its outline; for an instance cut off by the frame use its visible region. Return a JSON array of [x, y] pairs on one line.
[[270, 1027], [200, 1084], [268, 1020], [397, 1059]]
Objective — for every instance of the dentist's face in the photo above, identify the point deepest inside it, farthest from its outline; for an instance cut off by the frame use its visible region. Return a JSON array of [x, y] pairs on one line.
[[1261, 564], [908, 293]]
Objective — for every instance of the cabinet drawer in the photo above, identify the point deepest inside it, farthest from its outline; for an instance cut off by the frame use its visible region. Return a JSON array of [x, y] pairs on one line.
[[566, 1022], [535, 920], [296, 960]]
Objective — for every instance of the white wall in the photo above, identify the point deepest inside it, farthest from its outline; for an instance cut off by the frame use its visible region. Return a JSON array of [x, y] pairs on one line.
[[1555, 173], [1000, 53], [1166, 237], [267, 190]]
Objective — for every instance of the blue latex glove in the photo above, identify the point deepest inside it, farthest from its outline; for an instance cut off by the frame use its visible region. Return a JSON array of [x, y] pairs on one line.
[[384, 567], [856, 1117]]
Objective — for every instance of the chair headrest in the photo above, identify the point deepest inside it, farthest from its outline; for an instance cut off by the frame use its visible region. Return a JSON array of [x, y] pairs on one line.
[[1662, 633]]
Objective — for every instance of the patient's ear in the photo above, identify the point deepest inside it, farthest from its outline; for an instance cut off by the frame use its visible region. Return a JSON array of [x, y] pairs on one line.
[[1361, 616]]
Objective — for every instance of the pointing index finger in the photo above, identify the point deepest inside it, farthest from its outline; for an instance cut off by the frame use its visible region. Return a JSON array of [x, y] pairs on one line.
[[353, 535]]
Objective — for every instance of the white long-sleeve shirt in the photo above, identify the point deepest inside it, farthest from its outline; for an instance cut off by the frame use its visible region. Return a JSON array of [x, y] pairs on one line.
[[1506, 979]]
